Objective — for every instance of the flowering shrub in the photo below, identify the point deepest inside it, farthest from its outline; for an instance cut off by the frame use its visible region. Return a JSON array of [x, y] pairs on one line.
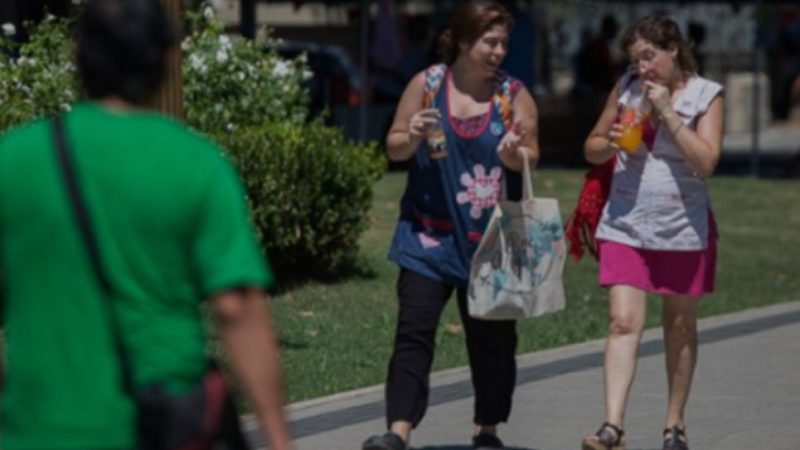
[[232, 82], [309, 189], [41, 79], [227, 82]]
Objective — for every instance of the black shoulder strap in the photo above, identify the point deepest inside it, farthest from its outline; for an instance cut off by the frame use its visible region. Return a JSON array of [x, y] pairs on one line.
[[89, 241], [78, 205]]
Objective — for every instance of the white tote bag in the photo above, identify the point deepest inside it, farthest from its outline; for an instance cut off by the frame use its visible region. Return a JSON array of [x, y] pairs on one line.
[[517, 269]]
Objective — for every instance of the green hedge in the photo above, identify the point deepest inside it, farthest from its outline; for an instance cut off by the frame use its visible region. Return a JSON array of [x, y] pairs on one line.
[[310, 192]]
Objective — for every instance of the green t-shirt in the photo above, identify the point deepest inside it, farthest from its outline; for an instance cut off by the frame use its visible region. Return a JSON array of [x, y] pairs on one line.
[[173, 228]]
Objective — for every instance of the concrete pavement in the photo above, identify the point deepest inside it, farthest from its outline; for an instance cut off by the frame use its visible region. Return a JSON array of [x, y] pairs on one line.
[[778, 152], [746, 395], [774, 140]]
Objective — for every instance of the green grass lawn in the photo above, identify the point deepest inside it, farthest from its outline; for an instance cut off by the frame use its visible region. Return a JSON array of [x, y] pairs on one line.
[[338, 336]]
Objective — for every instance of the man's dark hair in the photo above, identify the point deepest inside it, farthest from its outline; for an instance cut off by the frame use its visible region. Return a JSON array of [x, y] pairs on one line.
[[121, 48]]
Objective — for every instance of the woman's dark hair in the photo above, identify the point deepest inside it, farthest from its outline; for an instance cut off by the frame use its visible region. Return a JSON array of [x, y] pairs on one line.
[[121, 48], [469, 23], [665, 34]]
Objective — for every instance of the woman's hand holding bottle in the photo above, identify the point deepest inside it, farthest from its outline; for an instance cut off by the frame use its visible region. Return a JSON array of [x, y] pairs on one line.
[[421, 122]]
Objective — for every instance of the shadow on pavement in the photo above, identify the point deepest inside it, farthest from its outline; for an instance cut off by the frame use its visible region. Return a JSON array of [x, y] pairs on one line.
[[463, 447], [469, 447]]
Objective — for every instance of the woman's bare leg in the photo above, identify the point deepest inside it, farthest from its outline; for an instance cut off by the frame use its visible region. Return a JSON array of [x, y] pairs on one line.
[[679, 316]]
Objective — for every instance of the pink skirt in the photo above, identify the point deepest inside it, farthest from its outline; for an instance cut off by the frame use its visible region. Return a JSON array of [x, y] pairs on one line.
[[662, 272]]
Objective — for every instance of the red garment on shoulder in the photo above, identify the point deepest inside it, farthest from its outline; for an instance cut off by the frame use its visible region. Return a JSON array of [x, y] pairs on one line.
[[583, 222]]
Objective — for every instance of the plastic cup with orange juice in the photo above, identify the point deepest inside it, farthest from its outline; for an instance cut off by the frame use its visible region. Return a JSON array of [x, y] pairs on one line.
[[632, 121]]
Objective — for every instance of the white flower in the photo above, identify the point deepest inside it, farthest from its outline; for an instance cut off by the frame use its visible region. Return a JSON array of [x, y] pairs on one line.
[[186, 44], [240, 76], [218, 107], [208, 13], [197, 62], [222, 56], [280, 70], [225, 41], [230, 126], [9, 29], [307, 74]]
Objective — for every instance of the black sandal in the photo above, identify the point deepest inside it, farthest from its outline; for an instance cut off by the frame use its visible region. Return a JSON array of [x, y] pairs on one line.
[[675, 439], [387, 441], [609, 437], [486, 441]]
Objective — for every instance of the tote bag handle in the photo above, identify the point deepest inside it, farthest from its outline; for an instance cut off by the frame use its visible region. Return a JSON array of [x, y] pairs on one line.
[[527, 181]]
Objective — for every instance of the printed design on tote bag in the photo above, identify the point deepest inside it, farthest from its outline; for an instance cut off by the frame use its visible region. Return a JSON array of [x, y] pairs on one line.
[[532, 257], [482, 190], [546, 240]]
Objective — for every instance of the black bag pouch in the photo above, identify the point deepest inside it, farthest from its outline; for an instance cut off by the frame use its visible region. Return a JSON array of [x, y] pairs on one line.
[[202, 418]]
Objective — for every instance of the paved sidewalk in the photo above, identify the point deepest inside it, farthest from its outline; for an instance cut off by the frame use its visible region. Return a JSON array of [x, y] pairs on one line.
[[773, 140], [746, 395], [778, 152]]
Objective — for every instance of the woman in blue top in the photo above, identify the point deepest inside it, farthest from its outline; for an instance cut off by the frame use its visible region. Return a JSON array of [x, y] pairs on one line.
[[488, 120]]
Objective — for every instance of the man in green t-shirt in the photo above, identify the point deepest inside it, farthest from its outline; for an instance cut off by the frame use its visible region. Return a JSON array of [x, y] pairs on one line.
[[172, 226]]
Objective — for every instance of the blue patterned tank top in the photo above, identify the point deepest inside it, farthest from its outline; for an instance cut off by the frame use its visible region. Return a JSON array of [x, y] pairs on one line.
[[450, 195]]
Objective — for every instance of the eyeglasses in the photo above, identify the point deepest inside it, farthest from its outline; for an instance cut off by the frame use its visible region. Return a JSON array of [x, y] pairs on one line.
[[646, 56]]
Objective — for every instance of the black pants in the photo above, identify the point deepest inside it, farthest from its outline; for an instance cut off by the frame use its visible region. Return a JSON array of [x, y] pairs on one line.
[[491, 346]]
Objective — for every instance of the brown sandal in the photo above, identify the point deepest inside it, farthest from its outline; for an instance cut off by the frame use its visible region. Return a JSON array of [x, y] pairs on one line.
[[609, 437]]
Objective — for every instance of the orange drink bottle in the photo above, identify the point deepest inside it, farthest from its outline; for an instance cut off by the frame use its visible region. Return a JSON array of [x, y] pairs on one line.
[[436, 139], [435, 136]]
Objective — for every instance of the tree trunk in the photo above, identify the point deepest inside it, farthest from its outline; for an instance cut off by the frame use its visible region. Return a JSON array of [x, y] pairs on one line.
[[247, 18], [170, 97]]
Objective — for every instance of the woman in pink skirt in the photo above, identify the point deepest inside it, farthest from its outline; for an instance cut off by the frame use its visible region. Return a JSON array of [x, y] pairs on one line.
[[656, 234]]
